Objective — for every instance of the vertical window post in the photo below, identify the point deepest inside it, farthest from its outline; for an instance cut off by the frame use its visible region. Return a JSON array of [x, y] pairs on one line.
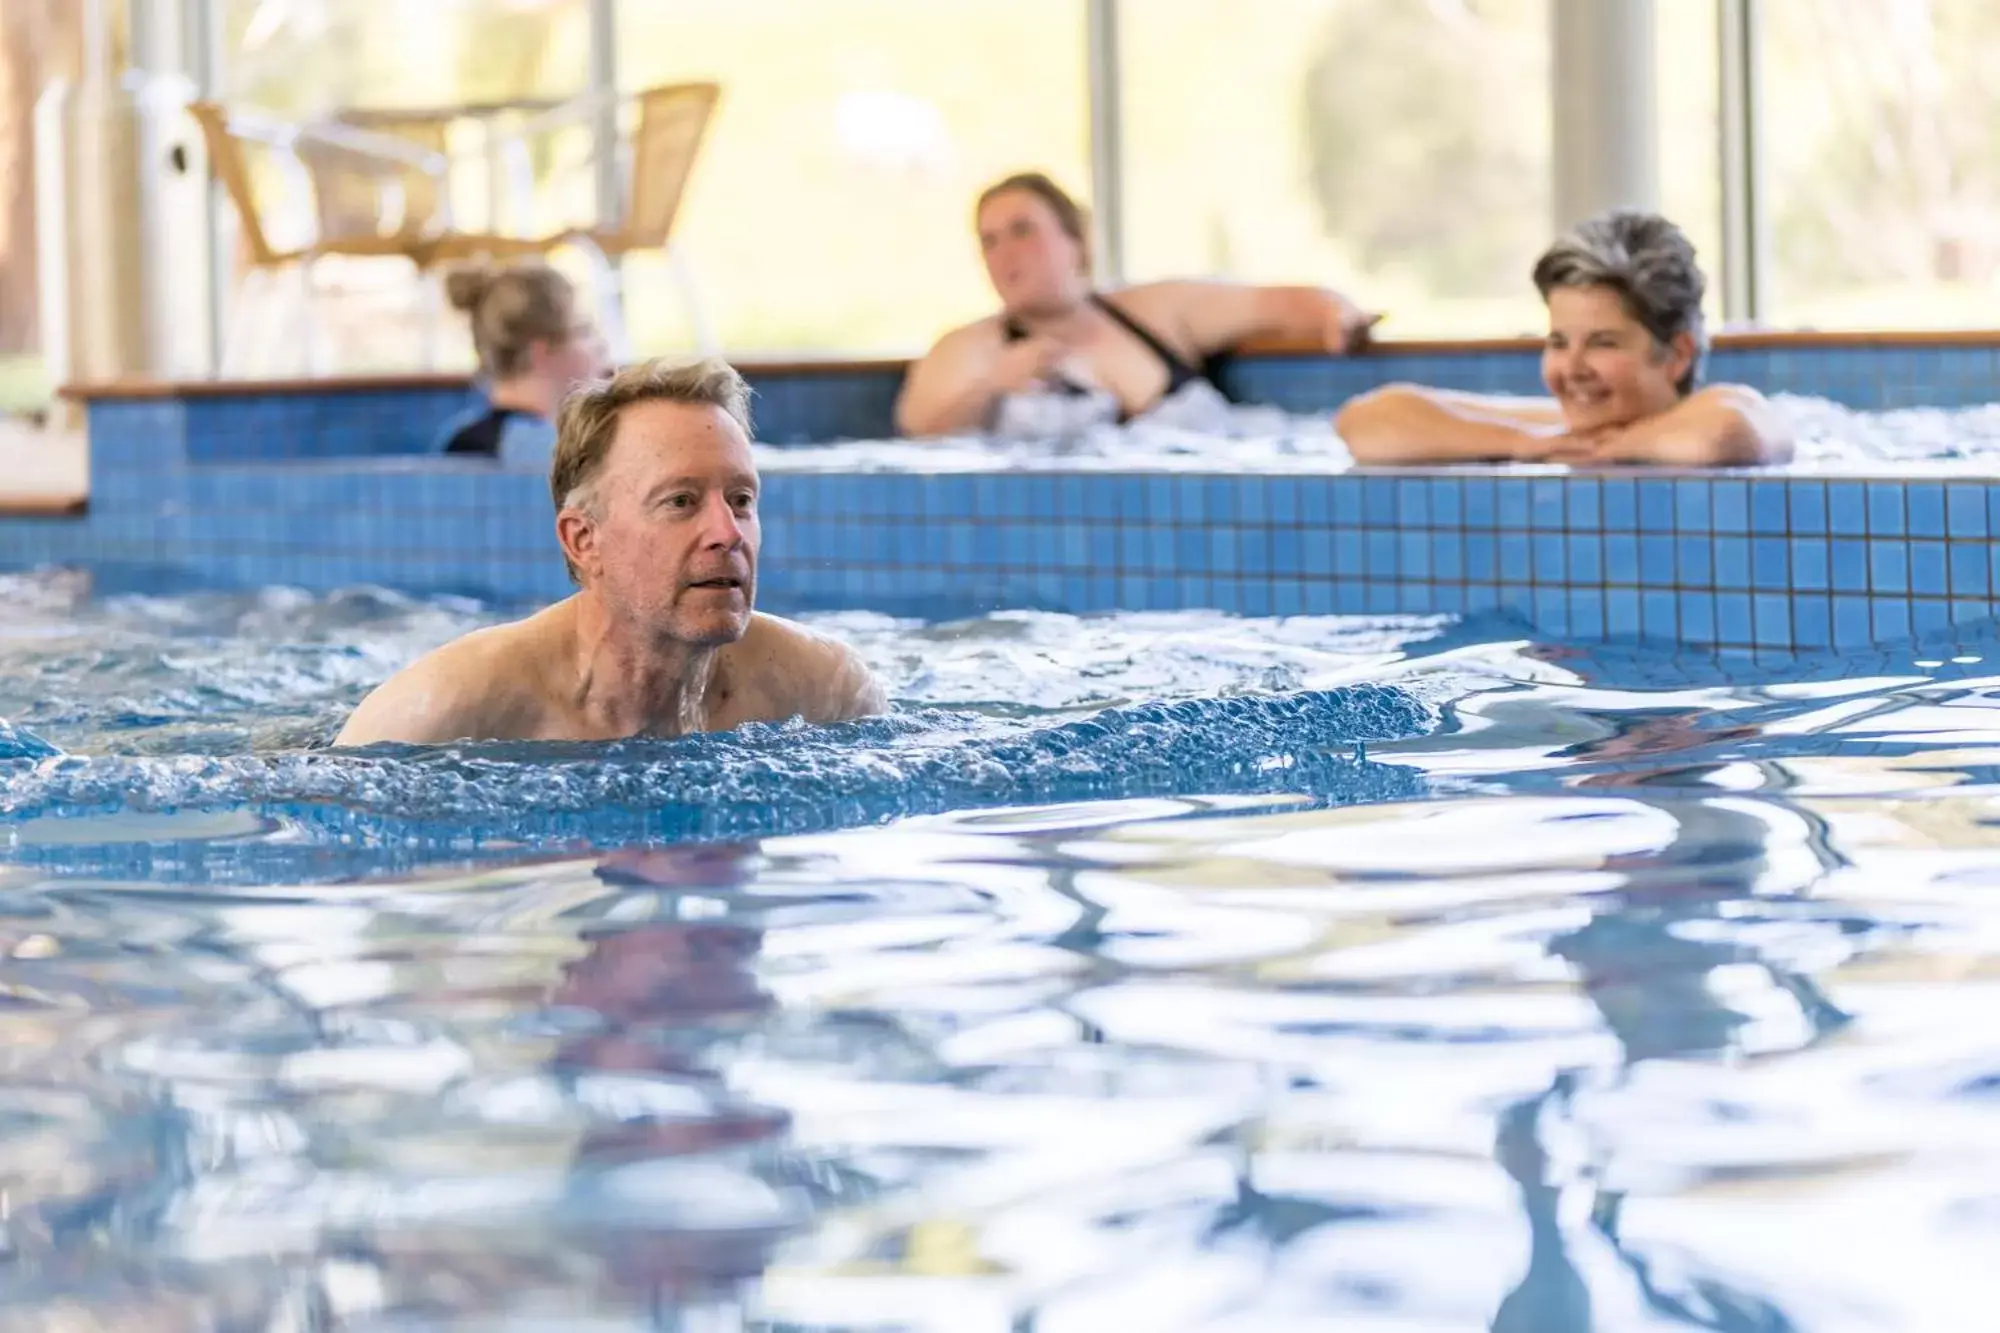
[[1745, 231], [1605, 108], [603, 92], [1107, 145]]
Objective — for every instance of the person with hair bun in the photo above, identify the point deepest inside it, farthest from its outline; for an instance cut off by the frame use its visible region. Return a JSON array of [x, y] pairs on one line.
[[1063, 356], [534, 347]]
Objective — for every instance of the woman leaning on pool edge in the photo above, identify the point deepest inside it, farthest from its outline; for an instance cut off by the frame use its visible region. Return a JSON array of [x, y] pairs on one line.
[[1116, 355], [1621, 361]]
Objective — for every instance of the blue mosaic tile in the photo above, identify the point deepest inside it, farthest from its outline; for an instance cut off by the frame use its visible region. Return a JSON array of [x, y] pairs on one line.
[[1413, 502], [1927, 568], [1889, 619], [1888, 566], [1380, 555], [1850, 565], [1885, 509], [1770, 563], [1379, 500], [1316, 552], [1621, 612], [1691, 506], [1621, 558], [1923, 503], [1547, 556], [1965, 510], [1697, 617], [1732, 618], [1770, 509], [1807, 507], [1585, 561], [1447, 502], [1847, 509], [1928, 616], [1968, 570], [1729, 506], [1586, 613], [1771, 619], [1809, 564], [1481, 503], [1447, 557], [1812, 622], [1656, 560], [1659, 615], [1547, 503], [1694, 560], [1621, 505], [1732, 562]]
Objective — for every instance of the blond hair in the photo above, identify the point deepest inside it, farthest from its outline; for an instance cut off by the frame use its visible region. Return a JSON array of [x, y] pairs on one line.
[[512, 308], [588, 421]]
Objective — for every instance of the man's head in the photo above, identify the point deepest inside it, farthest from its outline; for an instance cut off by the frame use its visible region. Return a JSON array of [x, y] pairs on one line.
[[656, 498], [1626, 338]]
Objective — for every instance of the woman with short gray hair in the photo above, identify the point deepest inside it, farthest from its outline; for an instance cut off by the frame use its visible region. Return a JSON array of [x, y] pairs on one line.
[[1621, 363]]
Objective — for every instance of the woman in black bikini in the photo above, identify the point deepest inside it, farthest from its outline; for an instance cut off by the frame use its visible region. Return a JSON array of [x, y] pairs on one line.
[[1060, 348]]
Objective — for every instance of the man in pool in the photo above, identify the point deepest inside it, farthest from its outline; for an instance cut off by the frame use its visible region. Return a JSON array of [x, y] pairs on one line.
[[656, 499], [1622, 358]]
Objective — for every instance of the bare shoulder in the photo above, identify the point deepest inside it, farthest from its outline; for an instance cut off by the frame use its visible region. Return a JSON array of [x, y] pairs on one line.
[[1752, 428], [784, 669], [981, 335], [479, 686], [1173, 301]]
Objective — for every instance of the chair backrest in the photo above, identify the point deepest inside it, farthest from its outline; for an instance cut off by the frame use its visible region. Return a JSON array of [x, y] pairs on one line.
[[672, 120], [227, 161], [362, 188]]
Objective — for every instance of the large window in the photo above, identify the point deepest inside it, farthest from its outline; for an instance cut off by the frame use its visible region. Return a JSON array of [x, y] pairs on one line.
[[1882, 122], [832, 207], [1396, 149], [318, 57]]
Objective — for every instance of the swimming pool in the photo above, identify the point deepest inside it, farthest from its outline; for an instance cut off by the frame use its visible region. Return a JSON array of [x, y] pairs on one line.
[[1162, 971]]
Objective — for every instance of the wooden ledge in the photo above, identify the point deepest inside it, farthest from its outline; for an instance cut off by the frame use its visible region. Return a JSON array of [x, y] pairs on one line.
[[772, 367], [43, 506]]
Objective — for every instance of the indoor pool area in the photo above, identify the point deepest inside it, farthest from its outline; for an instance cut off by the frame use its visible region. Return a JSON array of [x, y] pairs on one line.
[[693, 668]]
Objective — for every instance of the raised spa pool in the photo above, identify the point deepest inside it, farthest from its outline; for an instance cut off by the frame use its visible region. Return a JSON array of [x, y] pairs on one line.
[[1142, 972]]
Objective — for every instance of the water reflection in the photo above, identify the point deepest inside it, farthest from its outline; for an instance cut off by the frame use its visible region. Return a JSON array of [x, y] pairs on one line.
[[1640, 993]]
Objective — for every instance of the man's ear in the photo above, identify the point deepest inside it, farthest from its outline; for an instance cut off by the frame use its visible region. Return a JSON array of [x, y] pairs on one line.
[[576, 532]]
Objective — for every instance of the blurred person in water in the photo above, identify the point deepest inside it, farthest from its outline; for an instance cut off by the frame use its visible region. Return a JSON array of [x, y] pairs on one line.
[[1621, 363], [534, 346], [656, 513], [667, 998], [1060, 353]]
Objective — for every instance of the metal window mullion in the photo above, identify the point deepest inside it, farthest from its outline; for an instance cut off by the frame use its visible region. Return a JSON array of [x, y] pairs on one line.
[[603, 92], [1107, 143], [1746, 246]]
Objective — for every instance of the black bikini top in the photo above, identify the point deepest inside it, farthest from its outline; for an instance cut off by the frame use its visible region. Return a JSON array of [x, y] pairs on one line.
[[481, 435], [1179, 372]]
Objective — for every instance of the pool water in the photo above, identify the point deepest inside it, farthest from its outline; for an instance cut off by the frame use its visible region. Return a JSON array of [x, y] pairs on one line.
[[1141, 972]]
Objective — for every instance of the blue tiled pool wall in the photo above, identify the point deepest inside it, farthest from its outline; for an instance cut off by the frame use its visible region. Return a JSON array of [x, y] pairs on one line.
[[800, 407], [1866, 378], [277, 494], [1708, 560], [1775, 563]]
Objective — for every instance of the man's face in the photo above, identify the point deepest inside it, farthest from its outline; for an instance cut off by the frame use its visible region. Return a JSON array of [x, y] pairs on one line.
[[674, 543]]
